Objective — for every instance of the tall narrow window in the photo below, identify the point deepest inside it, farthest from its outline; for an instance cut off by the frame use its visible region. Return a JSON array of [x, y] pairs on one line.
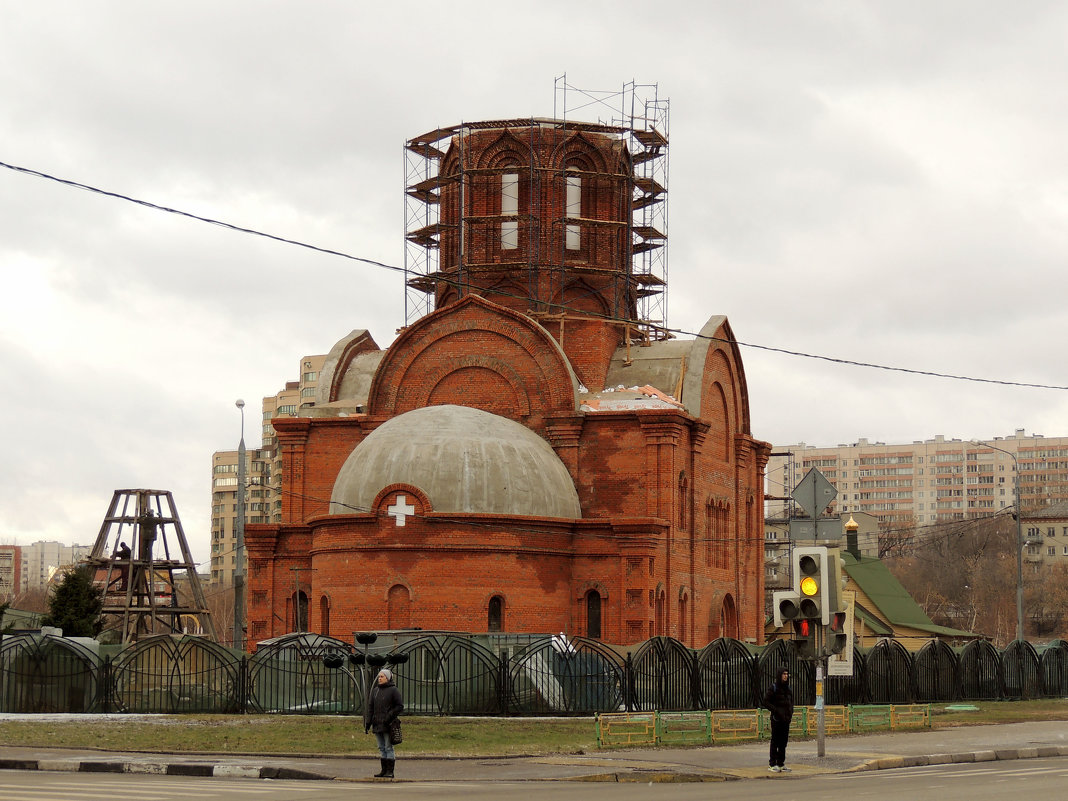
[[324, 616], [495, 615], [509, 207], [572, 209], [593, 615], [299, 609]]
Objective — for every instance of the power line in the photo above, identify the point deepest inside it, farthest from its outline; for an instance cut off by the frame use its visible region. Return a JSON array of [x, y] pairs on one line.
[[456, 283]]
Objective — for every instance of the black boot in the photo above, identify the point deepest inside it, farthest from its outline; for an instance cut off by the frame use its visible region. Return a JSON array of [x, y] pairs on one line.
[[384, 769], [388, 772]]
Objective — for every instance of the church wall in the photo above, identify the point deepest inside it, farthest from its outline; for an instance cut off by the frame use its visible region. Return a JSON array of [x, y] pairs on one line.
[[589, 346], [365, 563]]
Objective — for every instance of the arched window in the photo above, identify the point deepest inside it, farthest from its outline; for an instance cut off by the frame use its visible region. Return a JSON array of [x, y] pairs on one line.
[[324, 616], [659, 613], [573, 210], [509, 208], [298, 611], [593, 615], [495, 614], [684, 615]]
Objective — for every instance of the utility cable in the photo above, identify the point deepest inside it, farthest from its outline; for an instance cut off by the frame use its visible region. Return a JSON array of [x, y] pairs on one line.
[[456, 283]]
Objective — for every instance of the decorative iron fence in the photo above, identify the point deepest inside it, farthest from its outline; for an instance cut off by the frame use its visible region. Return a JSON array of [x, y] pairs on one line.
[[449, 674]]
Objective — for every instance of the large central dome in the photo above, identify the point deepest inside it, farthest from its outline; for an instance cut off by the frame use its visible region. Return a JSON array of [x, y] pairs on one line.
[[465, 460]]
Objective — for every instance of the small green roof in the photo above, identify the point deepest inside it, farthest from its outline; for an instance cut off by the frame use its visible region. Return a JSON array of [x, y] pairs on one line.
[[872, 622], [890, 598]]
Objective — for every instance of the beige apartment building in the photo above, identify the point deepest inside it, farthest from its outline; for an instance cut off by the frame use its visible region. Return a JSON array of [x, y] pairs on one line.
[[41, 560], [263, 473], [914, 485]]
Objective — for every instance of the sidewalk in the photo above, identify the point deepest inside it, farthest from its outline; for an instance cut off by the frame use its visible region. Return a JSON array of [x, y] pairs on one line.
[[718, 763]]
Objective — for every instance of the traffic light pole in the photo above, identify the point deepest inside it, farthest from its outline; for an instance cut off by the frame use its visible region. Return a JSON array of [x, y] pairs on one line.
[[821, 672]]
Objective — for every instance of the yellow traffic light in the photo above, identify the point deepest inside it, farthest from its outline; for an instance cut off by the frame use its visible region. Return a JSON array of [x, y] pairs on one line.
[[809, 586]]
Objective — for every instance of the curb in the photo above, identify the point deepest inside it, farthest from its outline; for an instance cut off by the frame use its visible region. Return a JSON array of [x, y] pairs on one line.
[[164, 769], [889, 763]]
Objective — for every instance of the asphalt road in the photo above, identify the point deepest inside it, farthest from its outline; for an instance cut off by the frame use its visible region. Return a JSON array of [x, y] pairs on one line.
[[1037, 778]]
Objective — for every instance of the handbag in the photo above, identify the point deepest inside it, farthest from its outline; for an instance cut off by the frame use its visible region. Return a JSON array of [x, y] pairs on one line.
[[395, 735]]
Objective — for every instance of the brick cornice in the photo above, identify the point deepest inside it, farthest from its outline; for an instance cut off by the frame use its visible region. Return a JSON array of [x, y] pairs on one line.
[[292, 430]]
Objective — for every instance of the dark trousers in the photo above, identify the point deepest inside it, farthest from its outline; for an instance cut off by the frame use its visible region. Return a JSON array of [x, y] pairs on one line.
[[780, 734]]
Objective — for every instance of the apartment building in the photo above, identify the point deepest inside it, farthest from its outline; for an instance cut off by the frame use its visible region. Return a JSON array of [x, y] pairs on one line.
[[1045, 533], [10, 572], [41, 560], [263, 496], [926, 482]]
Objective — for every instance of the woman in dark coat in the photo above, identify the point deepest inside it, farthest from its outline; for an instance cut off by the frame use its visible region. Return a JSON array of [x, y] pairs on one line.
[[779, 699], [383, 706]]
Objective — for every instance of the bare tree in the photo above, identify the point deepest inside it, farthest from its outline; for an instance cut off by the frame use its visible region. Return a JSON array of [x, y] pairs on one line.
[[963, 574]]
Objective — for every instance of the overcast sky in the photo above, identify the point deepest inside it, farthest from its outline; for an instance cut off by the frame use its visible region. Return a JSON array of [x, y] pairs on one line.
[[880, 182]]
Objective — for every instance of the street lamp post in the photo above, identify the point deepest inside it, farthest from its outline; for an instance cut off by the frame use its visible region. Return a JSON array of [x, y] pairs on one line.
[[239, 547], [1019, 537]]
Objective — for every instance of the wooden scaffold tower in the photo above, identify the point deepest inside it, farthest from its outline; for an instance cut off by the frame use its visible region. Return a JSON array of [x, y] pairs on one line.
[[142, 564]]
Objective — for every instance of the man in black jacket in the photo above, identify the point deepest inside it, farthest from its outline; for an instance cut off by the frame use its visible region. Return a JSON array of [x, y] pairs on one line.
[[383, 706], [779, 699]]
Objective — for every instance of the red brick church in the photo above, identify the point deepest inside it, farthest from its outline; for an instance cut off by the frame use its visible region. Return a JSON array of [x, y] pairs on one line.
[[532, 454]]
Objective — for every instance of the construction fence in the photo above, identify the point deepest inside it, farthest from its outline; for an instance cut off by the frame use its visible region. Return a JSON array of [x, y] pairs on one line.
[[718, 727], [457, 674]]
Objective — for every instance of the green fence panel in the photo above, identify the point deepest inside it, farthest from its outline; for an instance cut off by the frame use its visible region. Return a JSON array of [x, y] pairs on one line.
[[684, 728], [626, 728], [869, 717], [732, 726]]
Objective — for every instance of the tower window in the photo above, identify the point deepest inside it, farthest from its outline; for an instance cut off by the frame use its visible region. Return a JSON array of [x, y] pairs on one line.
[[573, 208], [509, 207], [495, 614], [593, 615]]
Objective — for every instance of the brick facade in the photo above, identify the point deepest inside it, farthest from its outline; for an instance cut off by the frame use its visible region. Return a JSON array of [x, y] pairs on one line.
[[668, 540]]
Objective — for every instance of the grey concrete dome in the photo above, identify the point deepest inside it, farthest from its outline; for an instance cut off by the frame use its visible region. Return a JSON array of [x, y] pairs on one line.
[[465, 460]]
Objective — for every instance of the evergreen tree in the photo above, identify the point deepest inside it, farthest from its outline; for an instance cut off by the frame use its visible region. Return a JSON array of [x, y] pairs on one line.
[[75, 605]]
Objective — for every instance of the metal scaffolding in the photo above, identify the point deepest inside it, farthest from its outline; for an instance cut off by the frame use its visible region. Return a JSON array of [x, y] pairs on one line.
[[442, 252]]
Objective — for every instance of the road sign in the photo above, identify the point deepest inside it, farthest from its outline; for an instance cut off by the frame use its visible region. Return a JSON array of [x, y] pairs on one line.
[[814, 493], [827, 528]]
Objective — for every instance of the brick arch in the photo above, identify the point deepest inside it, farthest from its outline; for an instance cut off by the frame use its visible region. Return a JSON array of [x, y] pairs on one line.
[[579, 151], [723, 619], [512, 294], [585, 587], [715, 357], [507, 150], [579, 295], [447, 356], [418, 499], [717, 412], [449, 296]]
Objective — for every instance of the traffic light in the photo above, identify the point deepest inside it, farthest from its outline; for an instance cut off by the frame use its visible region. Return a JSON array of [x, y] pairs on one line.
[[835, 580], [785, 606], [805, 638], [812, 583], [837, 639]]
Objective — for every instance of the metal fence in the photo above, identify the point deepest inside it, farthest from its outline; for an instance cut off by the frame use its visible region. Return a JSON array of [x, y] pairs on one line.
[[448, 674]]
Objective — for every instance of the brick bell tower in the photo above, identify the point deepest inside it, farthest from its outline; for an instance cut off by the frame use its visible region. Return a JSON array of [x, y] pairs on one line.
[[559, 220]]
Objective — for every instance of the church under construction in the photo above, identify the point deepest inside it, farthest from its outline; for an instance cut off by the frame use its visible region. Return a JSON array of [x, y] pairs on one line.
[[534, 453]]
